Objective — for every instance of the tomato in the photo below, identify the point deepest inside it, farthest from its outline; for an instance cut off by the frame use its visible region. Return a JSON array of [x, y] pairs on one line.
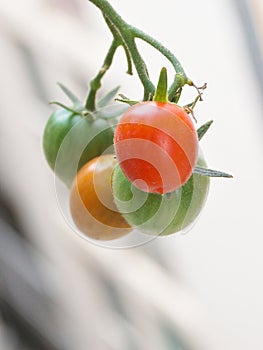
[[156, 145], [71, 140], [158, 214], [92, 205]]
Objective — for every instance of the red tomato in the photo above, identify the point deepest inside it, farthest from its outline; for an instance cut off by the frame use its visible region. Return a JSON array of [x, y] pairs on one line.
[[156, 145]]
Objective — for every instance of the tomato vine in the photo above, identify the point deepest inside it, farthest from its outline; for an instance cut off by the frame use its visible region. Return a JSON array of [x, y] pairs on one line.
[[125, 35]]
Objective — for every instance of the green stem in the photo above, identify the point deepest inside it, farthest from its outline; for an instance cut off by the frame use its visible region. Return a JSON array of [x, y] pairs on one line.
[[109, 11], [118, 37], [125, 35], [140, 66], [180, 78], [176, 97], [95, 83], [158, 46], [179, 82]]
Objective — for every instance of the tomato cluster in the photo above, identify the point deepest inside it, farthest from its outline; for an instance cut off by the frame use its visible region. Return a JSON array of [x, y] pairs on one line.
[[145, 171], [148, 184]]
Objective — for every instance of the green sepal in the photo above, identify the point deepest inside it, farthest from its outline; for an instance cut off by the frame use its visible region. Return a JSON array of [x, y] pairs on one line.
[[110, 112], [72, 110], [161, 94], [105, 100], [211, 173], [74, 99], [125, 99], [203, 129]]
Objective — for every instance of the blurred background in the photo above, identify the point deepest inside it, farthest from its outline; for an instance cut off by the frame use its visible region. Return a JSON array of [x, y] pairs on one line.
[[202, 290]]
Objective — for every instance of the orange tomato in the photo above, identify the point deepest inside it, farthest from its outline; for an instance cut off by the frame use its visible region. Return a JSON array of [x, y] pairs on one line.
[[91, 201]]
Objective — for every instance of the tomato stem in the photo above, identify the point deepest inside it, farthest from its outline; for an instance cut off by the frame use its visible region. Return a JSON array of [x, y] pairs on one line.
[[125, 35], [95, 83], [180, 78], [177, 95], [117, 36]]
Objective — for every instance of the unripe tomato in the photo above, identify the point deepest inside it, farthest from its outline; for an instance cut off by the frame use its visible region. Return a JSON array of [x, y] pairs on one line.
[[71, 140], [92, 205], [156, 145], [158, 214]]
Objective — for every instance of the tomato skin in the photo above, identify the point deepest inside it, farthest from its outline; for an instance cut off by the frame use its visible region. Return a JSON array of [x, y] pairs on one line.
[[70, 141], [92, 204], [156, 145], [157, 214]]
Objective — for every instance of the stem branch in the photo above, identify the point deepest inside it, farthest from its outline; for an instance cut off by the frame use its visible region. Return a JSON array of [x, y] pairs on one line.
[[125, 35], [180, 77], [95, 83]]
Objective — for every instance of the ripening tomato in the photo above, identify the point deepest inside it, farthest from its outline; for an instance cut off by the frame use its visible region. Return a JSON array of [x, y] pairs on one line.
[[156, 146], [92, 205], [158, 214]]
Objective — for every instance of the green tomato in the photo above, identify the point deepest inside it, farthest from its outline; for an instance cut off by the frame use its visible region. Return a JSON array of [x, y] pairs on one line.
[[71, 140], [158, 214]]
